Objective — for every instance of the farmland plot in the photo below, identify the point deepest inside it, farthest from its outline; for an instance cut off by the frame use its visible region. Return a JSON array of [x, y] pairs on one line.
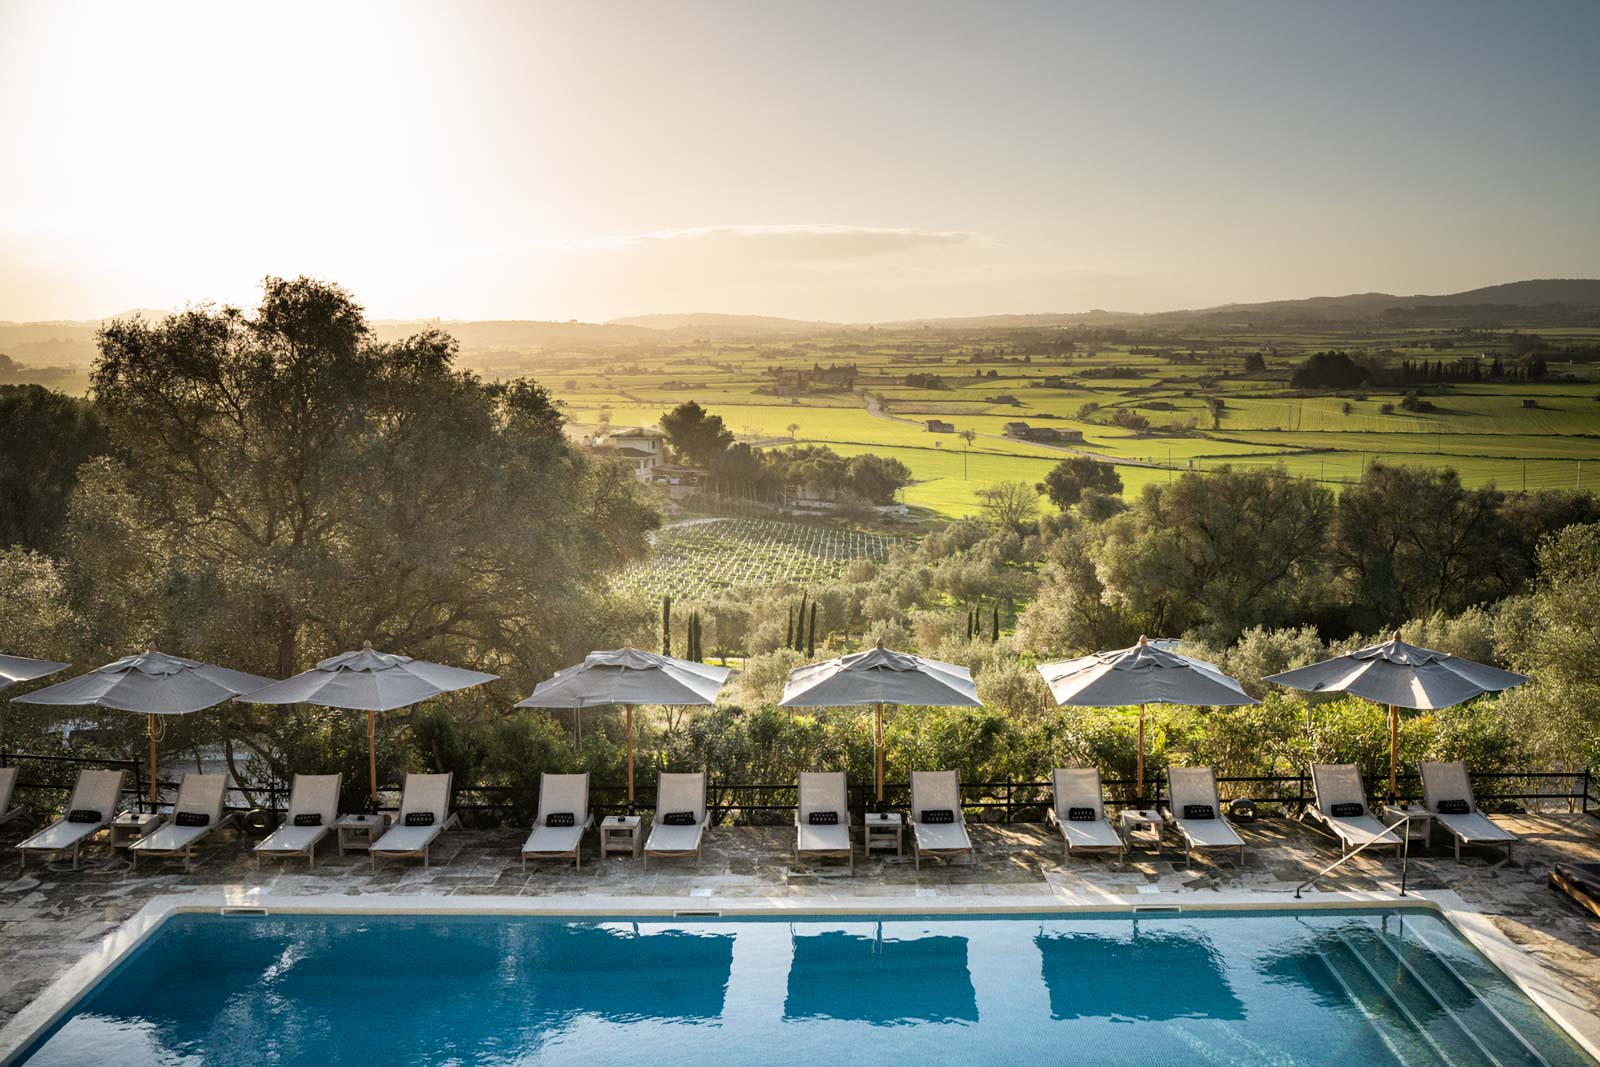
[[701, 557]]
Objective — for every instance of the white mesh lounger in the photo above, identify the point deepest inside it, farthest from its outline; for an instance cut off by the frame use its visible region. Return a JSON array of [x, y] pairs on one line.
[[1078, 788], [96, 792], [8, 786], [1191, 788], [313, 811], [939, 791], [424, 815], [677, 794], [561, 795], [197, 813], [1341, 805], [1447, 784], [822, 792]]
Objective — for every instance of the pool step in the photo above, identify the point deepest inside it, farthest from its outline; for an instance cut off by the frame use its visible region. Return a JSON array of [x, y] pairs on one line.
[[1409, 1043], [1498, 1036]]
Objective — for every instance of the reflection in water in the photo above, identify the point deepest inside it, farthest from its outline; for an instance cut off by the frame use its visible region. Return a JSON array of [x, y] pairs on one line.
[[1088, 976], [399, 989], [880, 980]]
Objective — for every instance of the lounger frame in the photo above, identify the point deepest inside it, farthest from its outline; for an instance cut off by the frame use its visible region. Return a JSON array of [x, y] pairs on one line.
[[1431, 773], [938, 782], [1328, 789], [101, 790], [1069, 786], [311, 794], [204, 793], [552, 796], [444, 817], [678, 792], [823, 791], [1188, 793]]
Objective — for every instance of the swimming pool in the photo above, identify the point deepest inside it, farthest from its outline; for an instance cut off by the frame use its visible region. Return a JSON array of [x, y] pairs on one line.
[[1283, 987]]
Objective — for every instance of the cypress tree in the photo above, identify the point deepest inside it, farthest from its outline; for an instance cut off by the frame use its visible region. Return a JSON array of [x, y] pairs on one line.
[[811, 633], [996, 635], [800, 628], [969, 623], [788, 634], [666, 626]]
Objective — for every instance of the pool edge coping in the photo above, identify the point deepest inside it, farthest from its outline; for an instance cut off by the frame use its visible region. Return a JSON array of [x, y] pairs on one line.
[[1537, 981]]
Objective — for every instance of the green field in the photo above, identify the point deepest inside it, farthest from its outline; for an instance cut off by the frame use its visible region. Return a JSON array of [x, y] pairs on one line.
[[1537, 434]]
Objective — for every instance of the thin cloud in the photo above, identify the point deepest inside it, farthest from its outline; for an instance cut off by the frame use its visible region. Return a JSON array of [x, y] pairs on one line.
[[798, 241]]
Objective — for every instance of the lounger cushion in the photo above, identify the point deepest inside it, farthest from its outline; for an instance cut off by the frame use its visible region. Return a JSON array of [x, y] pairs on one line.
[[1348, 811], [192, 818], [824, 818], [83, 815], [308, 818], [561, 818], [293, 839], [937, 816], [678, 818], [419, 818], [1199, 811], [1474, 827], [939, 837], [1080, 815], [1454, 807], [673, 838], [834, 839]]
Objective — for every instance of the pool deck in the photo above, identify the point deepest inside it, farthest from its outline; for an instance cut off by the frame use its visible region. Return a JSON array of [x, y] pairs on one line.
[[51, 916]]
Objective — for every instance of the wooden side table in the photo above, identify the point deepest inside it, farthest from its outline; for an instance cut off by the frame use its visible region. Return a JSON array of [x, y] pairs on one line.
[[357, 832], [1421, 827], [1133, 819], [129, 826], [621, 833], [883, 829]]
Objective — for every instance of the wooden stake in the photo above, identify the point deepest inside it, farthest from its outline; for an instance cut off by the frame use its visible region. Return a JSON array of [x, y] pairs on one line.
[[152, 725], [372, 752], [880, 752]]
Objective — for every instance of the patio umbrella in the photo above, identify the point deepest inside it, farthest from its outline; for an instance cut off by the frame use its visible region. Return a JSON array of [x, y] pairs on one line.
[[371, 682], [1144, 674], [1400, 676], [879, 676], [152, 684], [628, 676], [15, 669]]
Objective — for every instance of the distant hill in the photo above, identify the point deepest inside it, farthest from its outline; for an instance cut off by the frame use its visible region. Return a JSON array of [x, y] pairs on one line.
[[708, 324]]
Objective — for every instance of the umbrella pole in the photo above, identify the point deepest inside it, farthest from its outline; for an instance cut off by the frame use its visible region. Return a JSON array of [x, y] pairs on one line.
[[151, 722], [1139, 785], [880, 755], [1394, 752], [629, 709], [372, 753]]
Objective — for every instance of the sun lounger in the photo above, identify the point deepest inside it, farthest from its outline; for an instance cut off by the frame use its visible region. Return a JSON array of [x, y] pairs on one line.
[[8, 785], [91, 809], [1580, 882], [822, 818], [566, 797], [678, 796], [1191, 792], [1341, 805], [196, 815], [313, 811], [424, 815], [934, 793], [1079, 812], [1446, 786]]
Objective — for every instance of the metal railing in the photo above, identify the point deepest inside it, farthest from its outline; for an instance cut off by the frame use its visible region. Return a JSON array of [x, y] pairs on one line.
[[1405, 855]]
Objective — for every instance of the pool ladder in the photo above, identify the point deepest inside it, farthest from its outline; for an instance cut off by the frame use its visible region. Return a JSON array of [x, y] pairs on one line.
[[1405, 856]]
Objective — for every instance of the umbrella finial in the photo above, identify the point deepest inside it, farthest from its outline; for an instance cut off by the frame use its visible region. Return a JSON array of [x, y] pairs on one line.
[[1395, 636], [149, 647], [880, 642], [1143, 640], [627, 643], [366, 646]]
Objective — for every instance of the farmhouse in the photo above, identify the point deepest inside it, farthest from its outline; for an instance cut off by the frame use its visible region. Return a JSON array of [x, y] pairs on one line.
[[1023, 432], [1019, 430], [940, 426], [644, 448]]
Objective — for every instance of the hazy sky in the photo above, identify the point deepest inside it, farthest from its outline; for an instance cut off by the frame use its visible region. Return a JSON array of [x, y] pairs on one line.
[[819, 160]]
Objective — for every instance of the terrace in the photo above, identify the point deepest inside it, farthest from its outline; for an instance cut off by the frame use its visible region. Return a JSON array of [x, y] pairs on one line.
[[51, 916]]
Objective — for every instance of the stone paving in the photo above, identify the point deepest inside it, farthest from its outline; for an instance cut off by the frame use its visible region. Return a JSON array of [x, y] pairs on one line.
[[50, 916]]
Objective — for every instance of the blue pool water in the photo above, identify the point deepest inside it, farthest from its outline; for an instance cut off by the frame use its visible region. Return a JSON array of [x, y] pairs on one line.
[[1237, 988]]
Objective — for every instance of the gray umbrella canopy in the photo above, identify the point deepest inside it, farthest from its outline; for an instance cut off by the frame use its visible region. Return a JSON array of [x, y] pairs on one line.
[[1401, 676], [1144, 674], [15, 669], [628, 676], [878, 677], [369, 681], [152, 684]]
